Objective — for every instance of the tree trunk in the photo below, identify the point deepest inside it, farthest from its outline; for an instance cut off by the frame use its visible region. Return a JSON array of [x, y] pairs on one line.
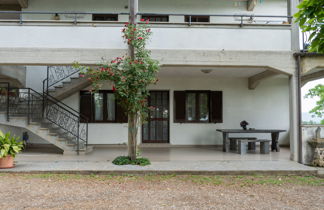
[[133, 119], [133, 125]]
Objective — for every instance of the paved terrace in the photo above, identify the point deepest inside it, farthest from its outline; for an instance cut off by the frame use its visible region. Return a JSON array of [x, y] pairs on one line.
[[165, 160]]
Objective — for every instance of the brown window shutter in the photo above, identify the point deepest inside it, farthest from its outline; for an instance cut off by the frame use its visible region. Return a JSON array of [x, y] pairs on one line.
[[216, 104], [179, 106], [85, 106], [121, 116]]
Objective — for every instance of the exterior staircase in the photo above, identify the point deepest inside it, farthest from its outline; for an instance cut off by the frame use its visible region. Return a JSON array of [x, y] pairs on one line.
[[63, 81], [46, 117]]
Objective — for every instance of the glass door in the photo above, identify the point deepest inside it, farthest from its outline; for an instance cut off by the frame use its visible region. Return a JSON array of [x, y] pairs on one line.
[[156, 129]]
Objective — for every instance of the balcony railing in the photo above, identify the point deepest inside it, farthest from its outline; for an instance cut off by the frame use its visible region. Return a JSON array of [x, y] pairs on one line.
[[22, 17]]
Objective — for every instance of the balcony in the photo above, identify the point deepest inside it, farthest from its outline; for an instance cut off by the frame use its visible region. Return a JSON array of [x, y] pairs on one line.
[[79, 30]]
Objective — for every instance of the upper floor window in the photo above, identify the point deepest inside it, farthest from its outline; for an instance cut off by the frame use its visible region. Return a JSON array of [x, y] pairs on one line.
[[198, 106], [196, 18], [104, 17], [156, 18]]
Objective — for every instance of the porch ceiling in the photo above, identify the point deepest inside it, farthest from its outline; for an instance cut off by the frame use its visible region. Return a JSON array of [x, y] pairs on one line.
[[237, 72]]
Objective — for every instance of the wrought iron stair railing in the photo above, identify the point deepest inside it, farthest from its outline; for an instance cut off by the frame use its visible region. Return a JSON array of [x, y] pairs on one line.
[[57, 74], [43, 108]]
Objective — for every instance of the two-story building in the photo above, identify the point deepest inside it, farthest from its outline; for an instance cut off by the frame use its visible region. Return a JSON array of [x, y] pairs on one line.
[[222, 62]]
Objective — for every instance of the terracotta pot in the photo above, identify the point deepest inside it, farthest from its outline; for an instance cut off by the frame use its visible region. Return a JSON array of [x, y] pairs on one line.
[[7, 162]]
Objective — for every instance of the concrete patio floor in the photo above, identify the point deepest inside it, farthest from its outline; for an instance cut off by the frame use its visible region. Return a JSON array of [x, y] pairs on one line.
[[165, 160]]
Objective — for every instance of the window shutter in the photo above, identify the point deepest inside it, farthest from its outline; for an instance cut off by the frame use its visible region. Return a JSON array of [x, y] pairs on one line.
[[216, 104], [179, 106], [121, 116], [85, 106]]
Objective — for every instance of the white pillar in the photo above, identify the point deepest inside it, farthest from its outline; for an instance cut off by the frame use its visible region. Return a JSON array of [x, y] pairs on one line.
[[294, 98], [294, 126]]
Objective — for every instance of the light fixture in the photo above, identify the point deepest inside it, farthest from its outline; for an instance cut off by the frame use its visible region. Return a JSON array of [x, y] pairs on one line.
[[206, 71]]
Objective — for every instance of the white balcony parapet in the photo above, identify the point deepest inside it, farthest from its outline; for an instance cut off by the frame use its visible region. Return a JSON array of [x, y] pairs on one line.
[[86, 17]]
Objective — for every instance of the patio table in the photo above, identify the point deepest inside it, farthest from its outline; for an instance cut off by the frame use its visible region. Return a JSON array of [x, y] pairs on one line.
[[274, 136]]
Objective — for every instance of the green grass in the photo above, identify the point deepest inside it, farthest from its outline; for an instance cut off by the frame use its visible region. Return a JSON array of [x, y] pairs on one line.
[[197, 179]]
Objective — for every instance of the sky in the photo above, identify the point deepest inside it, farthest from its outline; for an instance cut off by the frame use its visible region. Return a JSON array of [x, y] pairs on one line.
[[309, 103]]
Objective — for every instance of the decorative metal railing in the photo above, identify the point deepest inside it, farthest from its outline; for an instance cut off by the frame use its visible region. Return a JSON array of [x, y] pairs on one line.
[[85, 17], [57, 74], [44, 108]]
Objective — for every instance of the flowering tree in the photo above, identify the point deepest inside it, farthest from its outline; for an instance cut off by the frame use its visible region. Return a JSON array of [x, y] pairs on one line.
[[130, 75]]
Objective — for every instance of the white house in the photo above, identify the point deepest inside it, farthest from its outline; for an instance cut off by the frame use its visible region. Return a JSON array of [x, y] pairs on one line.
[[222, 62]]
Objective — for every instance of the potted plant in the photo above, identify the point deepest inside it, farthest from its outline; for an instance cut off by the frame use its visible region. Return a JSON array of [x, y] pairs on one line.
[[9, 147]]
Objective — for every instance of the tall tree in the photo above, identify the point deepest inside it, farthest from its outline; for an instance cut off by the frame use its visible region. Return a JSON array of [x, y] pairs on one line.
[[311, 19]]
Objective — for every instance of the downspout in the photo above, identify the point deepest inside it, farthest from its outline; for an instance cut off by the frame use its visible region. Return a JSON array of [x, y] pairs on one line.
[[299, 110]]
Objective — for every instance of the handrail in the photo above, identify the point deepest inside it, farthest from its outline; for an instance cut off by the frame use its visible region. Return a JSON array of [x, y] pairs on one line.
[[216, 15], [54, 111], [61, 104], [68, 75], [75, 20]]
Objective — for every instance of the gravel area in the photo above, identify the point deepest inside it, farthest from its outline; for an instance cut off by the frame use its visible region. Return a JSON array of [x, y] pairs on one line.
[[48, 191]]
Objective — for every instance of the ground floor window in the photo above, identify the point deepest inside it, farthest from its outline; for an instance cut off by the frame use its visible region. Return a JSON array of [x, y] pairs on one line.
[[198, 106], [101, 107]]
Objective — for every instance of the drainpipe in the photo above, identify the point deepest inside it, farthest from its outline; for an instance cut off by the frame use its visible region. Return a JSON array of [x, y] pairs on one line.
[[299, 118]]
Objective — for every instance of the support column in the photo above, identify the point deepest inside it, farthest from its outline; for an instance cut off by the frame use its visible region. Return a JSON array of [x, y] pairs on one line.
[[294, 80], [294, 125]]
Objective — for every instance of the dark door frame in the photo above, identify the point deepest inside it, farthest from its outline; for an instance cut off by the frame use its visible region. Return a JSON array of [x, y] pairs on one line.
[[168, 120]]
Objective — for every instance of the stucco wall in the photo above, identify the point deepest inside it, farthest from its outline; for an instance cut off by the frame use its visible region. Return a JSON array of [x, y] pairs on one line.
[[197, 38], [18, 132], [265, 107], [164, 37], [269, 7]]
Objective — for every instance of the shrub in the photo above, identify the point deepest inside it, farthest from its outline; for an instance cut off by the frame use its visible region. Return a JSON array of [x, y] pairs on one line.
[[9, 145], [125, 160]]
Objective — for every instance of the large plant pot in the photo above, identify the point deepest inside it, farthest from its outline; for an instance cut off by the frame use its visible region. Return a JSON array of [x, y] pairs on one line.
[[7, 162]]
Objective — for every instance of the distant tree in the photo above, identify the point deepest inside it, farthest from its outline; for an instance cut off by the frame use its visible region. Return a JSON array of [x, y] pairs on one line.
[[317, 91], [311, 19], [322, 122]]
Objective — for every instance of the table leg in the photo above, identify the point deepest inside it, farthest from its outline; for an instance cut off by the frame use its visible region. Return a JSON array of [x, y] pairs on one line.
[[225, 142], [275, 143]]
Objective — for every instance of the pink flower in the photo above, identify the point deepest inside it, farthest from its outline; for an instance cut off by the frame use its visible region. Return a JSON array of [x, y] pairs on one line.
[[142, 20], [81, 75], [140, 38]]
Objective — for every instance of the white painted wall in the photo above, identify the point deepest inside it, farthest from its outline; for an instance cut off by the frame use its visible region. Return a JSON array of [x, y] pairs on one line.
[[268, 7], [266, 107], [163, 38], [18, 132], [35, 76]]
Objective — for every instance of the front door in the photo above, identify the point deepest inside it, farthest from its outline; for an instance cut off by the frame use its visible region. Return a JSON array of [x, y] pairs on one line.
[[156, 129]]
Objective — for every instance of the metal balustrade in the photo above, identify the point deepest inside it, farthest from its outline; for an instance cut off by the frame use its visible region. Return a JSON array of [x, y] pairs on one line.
[[78, 17], [43, 108]]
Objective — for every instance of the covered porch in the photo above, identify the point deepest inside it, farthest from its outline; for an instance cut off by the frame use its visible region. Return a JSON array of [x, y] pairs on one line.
[[155, 152], [164, 160]]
